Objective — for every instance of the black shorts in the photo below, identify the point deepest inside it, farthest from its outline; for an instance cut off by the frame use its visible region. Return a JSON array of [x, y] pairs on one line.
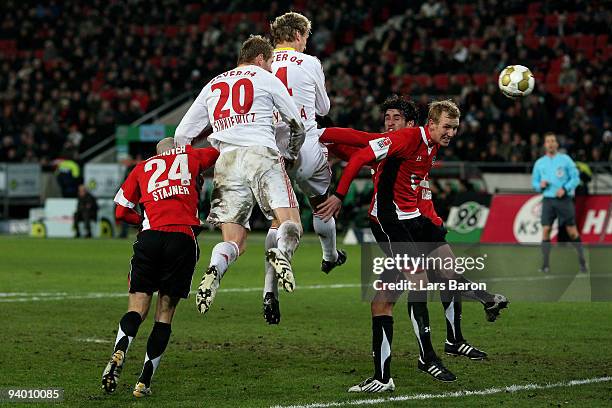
[[561, 208], [416, 237], [163, 261], [420, 231]]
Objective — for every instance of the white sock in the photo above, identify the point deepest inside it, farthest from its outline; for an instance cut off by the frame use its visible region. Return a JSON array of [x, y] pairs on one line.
[[288, 238], [223, 255], [271, 282], [327, 235]]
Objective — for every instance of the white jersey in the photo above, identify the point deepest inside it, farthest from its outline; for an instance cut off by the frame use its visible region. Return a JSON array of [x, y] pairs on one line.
[[239, 106], [303, 77]]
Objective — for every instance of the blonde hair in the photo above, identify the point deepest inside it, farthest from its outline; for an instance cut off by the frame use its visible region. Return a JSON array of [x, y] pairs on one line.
[[436, 109], [252, 47], [285, 27]]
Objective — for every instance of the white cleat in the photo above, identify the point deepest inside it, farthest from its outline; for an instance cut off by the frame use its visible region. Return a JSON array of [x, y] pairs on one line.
[[141, 390], [207, 289], [372, 385], [282, 267], [110, 376]]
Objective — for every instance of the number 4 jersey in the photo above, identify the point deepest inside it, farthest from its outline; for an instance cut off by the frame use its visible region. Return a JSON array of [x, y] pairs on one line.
[[166, 186], [238, 104]]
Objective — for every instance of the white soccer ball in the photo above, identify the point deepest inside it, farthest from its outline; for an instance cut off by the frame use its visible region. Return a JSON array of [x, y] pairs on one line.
[[516, 81]]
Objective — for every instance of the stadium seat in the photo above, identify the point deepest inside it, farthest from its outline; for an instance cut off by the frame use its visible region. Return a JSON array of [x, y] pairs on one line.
[[480, 79], [446, 43], [551, 20], [441, 82], [461, 79], [534, 8], [601, 41]]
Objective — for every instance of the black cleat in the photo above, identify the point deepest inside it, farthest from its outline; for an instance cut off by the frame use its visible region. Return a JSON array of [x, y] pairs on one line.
[[327, 266], [436, 369], [464, 349], [271, 309], [493, 307]]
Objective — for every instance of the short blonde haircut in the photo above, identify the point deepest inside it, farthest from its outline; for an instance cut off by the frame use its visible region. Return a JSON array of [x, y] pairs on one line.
[[436, 109], [285, 27]]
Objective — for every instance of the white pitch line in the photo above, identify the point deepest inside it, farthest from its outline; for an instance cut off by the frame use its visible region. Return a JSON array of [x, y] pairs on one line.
[[34, 297], [455, 394], [93, 340], [13, 297]]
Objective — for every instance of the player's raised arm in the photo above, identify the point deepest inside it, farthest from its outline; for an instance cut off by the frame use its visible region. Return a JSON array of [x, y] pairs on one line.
[[207, 156], [289, 114], [348, 136], [195, 120], [322, 103], [126, 199]]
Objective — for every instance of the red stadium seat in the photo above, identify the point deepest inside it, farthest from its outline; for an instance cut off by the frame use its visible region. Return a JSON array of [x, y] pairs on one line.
[[520, 20], [461, 79], [171, 31], [480, 79], [534, 8], [531, 42], [551, 20], [571, 41], [446, 44], [422, 80], [551, 41], [601, 41], [441, 82]]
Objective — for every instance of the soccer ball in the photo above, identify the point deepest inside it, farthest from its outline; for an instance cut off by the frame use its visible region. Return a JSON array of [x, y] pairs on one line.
[[516, 81]]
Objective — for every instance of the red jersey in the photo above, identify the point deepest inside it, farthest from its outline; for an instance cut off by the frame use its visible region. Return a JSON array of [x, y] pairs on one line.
[[166, 186], [398, 159]]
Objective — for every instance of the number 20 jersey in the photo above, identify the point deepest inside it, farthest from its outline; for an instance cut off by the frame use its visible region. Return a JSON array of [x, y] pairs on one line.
[[238, 104], [166, 186]]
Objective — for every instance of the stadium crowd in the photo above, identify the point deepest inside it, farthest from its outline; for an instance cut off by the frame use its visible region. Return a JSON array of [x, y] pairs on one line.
[[70, 72]]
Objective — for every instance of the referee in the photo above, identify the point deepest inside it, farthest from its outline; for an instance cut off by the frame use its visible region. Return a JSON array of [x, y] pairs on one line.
[[555, 175]]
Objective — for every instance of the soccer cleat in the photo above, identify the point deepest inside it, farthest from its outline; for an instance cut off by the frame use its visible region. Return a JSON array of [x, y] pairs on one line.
[[327, 266], [436, 369], [207, 289], [141, 390], [493, 308], [281, 265], [111, 373], [464, 349], [373, 385], [271, 309], [545, 269]]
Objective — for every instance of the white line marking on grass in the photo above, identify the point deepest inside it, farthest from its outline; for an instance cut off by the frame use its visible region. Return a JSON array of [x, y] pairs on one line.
[[34, 297], [93, 340], [456, 394], [12, 297]]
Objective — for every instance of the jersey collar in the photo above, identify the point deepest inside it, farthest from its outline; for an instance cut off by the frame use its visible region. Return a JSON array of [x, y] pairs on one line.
[[285, 49], [426, 138], [425, 135]]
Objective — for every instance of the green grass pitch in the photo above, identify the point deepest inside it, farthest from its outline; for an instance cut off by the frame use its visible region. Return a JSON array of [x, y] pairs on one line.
[[61, 300]]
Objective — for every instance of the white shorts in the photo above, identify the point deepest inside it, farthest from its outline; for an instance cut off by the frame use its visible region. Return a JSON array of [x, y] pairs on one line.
[[246, 175], [311, 171]]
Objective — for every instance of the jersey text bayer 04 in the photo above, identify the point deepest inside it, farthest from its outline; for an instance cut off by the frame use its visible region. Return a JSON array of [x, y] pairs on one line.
[[304, 79], [166, 186], [238, 104]]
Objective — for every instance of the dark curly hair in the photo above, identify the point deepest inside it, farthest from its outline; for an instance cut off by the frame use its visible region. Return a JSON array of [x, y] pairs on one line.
[[407, 108]]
